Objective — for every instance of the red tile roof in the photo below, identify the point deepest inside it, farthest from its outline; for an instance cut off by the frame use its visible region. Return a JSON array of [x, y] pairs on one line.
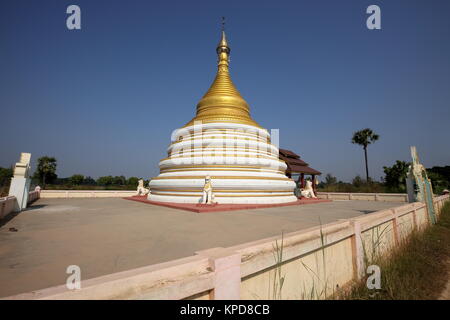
[[295, 164], [288, 153], [302, 169]]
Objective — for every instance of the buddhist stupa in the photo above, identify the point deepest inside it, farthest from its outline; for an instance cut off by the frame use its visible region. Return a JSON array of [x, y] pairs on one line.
[[222, 141]]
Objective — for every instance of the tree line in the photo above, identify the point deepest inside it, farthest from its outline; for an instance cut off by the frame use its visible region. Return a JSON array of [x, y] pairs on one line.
[[46, 177], [46, 174], [394, 180], [395, 176]]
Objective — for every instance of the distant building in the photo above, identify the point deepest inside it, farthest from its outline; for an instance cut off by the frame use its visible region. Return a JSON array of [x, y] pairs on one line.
[[295, 166]]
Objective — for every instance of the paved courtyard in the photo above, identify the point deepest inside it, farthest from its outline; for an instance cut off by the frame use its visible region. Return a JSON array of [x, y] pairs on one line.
[[110, 235]]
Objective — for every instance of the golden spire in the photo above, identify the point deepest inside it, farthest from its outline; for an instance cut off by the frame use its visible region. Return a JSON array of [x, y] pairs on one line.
[[223, 102]]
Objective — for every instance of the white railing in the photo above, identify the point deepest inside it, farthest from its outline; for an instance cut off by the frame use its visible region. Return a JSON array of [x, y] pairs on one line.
[[86, 193], [391, 197], [7, 204], [33, 195]]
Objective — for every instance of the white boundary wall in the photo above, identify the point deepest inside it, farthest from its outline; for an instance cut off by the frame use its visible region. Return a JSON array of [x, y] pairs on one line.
[[392, 197], [314, 262], [7, 204], [45, 194]]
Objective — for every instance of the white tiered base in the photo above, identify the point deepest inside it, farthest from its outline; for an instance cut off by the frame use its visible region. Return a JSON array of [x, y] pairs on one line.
[[243, 165]]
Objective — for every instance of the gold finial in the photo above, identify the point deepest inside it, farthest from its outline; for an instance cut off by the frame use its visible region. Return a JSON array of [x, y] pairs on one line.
[[223, 102], [223, 45]]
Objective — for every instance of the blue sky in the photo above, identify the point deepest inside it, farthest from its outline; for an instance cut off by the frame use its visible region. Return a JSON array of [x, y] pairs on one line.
[[104, 99]]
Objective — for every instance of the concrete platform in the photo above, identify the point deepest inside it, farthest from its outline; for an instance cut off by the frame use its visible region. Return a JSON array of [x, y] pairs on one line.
[[205, 208], [107, 235]]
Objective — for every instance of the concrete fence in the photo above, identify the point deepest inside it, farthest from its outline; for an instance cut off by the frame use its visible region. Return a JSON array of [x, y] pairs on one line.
[[6, 206], [7, 203], [86, 193], [393, 197], [33, 196], [310, 263]]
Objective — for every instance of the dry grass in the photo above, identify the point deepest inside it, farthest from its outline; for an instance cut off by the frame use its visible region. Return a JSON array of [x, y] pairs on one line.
[[416, 270]]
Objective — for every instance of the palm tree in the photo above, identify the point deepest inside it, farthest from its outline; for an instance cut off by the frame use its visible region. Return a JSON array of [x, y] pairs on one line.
[[364, 138], [46, 168]]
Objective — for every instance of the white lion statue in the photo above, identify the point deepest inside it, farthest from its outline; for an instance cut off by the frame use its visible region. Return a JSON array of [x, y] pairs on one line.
[[141, 191], [208, 196], [308, 191]]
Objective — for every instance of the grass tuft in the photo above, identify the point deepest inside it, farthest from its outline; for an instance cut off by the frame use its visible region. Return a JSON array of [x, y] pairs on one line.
[[417, 269]]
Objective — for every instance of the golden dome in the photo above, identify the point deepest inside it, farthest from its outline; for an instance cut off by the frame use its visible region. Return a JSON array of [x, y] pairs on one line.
[[223, 102]]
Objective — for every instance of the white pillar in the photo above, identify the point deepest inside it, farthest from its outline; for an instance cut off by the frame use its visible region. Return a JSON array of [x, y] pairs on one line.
[[20, 183], [227, 273], [358, 250]]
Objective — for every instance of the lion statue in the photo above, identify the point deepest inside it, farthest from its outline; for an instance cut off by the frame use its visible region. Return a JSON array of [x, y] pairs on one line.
[[141, 191], [308, 191], [208, 196]]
